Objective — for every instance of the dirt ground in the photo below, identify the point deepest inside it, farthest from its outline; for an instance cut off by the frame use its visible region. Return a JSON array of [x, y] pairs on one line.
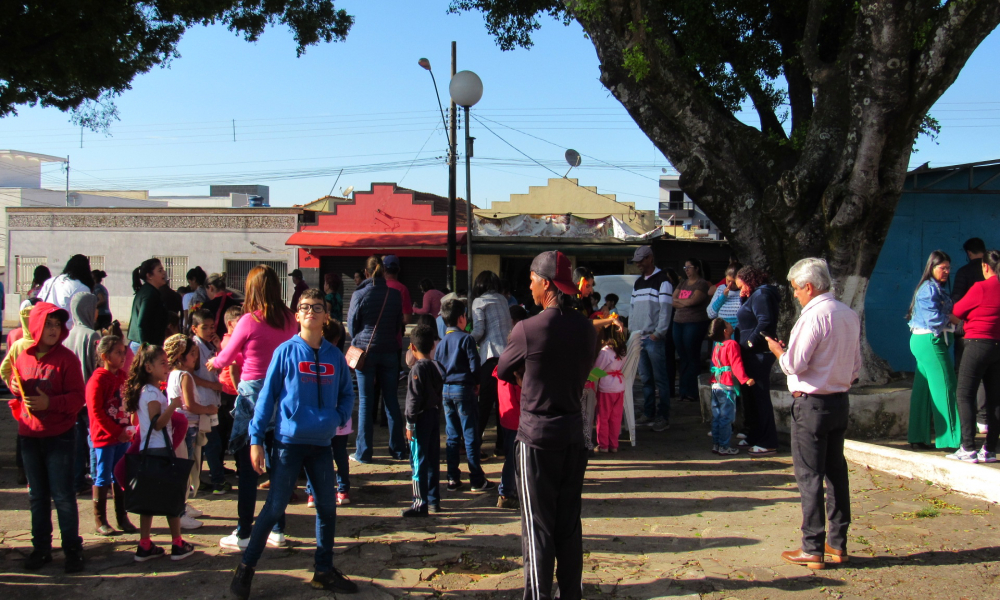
[[664, 519]]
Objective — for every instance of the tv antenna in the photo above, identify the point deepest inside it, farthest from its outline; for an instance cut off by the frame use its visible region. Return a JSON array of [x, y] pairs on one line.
[[573, 158]]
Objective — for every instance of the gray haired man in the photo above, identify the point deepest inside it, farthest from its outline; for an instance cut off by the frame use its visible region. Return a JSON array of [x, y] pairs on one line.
[[822, 359]]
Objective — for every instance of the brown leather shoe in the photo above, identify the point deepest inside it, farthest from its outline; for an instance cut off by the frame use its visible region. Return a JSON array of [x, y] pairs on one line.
[[834, 556], [798, 557]]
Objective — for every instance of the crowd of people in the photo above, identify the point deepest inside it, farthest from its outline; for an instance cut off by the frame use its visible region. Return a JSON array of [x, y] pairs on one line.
[[272, 386], [952, 401]]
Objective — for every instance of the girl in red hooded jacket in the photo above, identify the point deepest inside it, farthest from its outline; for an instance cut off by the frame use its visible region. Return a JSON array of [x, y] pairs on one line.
[[48, 393]]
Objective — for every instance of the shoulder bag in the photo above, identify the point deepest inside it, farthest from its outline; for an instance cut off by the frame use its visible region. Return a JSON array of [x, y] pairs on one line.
[[156, 485], [355, 356]]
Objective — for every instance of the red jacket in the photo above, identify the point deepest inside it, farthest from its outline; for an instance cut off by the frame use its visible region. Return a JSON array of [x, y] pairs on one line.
[[727, 354], [58, 373], [108, 418], [980, 309], [509, 397]]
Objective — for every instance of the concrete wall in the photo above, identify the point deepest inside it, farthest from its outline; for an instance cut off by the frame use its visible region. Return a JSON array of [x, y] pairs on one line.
[[207, 239]]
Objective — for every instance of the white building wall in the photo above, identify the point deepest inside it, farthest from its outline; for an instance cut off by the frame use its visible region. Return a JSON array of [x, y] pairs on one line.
[[124, 249]]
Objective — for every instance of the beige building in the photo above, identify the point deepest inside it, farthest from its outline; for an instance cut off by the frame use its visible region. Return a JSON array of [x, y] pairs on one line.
[[567, 196]]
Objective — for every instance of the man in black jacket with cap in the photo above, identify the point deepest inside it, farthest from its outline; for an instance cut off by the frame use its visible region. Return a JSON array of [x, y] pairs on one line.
[[555, 350]]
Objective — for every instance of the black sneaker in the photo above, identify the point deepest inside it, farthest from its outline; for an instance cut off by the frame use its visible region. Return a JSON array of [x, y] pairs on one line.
[[220, 490], [74, 561], [240, 586], [180, 552], [333, 581], [484, 486], [454, 486], [144, 555], [413, 512], [38, 559]]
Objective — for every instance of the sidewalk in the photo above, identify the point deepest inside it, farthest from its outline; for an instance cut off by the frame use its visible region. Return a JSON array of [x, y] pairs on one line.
[[664, 519]]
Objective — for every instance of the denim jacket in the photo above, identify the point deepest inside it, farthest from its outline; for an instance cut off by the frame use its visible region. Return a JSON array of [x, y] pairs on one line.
[[931, 308], [243, 412]]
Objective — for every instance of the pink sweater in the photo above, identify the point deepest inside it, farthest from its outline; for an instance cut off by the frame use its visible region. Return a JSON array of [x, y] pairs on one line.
[[257, 341]]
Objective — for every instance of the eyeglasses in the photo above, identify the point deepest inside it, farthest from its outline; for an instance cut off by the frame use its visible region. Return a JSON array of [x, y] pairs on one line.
[[686, 267], [315, 308]]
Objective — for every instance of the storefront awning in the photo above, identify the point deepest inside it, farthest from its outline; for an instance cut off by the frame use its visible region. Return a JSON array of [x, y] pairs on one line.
[[328, 239]]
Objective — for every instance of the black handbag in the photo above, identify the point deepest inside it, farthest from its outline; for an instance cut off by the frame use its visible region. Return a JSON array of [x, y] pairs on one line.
[[156, 485]]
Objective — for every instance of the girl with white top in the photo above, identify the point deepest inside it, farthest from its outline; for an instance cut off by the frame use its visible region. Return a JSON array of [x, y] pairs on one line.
[[144, 399], [610, 389]]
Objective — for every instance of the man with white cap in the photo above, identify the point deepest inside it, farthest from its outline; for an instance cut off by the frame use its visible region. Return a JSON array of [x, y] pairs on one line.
[[555, 350], [652, 309]]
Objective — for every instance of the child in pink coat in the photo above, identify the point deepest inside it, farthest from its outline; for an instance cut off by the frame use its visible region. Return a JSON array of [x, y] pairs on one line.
[[727, 370]]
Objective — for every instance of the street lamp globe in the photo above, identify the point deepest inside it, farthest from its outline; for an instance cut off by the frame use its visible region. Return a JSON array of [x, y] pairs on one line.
[[466, 88]]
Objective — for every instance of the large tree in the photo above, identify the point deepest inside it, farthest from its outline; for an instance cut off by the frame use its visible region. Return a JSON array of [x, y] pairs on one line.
[[73, 54], [842, 88]]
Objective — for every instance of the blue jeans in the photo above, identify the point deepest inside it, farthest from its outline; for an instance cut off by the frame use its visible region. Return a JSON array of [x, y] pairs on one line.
[[104, 466], [688, 338], [385, 367], [339, 446], [653, 371], [425, 461], [508, 485], [461, 417], [288, 460], [246, 498], [48, 464], [723, 414]]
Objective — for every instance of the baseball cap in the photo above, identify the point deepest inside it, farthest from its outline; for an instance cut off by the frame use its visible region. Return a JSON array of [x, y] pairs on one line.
[[641, 252], [390, 260], [555, 267], [296, 273]]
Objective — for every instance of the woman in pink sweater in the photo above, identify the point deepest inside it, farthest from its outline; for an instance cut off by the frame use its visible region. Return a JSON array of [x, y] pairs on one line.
[[266, 324]]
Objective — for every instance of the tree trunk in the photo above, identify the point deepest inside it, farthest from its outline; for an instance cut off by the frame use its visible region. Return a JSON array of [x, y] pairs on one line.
[[829, 190]]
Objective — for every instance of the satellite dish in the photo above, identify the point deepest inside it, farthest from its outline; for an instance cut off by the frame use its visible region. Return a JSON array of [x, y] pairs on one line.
[[347, 193], [73, 199], [663, 170], [573, 158]]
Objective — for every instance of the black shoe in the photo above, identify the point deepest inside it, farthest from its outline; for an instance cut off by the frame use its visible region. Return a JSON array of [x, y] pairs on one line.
[[454, 486], [74, 561], [144, 555], [219, 490], [484, 486], [508, 502], [228, 471], [334, 581], [240, 585], [434, 509], [414, 512], [38, 559], [183, 551]]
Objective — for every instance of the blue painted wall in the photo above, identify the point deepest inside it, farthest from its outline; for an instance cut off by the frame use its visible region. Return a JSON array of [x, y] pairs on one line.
[[944, 212]]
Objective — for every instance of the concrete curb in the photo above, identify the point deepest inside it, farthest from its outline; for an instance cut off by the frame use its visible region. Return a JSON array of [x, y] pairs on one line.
[[978, 481]]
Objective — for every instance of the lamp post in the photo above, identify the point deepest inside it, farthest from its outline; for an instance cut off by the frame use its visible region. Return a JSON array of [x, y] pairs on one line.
[[466, 89], [451, 277]]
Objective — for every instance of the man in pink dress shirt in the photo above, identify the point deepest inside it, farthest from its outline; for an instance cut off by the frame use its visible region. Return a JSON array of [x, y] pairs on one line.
[[822, 360]]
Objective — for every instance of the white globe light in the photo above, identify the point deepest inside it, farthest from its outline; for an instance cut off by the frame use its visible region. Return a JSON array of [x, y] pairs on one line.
[[466, 88]]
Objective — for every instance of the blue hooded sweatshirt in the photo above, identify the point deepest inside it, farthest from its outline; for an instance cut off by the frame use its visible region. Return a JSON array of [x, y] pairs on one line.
[[307, 392]]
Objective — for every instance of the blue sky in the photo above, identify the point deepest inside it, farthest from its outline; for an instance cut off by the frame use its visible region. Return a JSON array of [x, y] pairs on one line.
[[365, 106]]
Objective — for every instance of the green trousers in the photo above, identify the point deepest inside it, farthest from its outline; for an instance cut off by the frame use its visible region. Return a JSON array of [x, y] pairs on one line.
[[933, 395]]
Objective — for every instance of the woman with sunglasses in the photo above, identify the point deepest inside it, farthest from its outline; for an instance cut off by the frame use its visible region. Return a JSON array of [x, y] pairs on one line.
[[266, 324]]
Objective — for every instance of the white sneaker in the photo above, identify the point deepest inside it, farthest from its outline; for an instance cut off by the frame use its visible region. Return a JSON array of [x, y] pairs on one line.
[[233, 542], [275, 540], [986, 457], [964, 455], [741, 436], [981, 428], [188, 522], [192, 511], [743, 442], [709, 434]]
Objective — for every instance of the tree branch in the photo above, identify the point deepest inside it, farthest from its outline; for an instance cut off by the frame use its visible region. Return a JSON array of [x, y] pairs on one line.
[[817, 70]]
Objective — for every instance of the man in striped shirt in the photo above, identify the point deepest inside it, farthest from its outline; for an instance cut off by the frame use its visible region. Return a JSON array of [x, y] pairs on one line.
[[652, 309]]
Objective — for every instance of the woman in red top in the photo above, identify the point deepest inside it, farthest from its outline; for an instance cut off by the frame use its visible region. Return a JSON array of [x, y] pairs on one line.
[[980, 309]]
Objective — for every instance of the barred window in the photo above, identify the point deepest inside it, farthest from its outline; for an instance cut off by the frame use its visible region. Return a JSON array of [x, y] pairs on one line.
[[25, 271], [176, 268]]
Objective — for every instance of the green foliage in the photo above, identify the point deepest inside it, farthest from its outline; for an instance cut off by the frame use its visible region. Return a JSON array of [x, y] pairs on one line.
[[636, 63], [512, 22], [70, 54], [930, 127]]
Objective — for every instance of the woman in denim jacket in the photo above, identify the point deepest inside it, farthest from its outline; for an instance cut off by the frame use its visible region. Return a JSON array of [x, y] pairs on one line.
[[934, 385]]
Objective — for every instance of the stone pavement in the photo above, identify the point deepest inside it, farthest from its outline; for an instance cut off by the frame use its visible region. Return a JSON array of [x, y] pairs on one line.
[[664, 519]]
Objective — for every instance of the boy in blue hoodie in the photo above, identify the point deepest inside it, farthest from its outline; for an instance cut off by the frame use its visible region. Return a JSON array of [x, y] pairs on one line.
[[459, 358], [308, 394]]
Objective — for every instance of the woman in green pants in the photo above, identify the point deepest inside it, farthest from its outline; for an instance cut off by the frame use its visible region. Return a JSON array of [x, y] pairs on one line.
[[931, 326]]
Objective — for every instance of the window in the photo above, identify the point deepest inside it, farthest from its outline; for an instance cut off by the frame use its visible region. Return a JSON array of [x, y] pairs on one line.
[[25, 271], [96, 263], [237, 271], [676, 200], [176, 268]]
